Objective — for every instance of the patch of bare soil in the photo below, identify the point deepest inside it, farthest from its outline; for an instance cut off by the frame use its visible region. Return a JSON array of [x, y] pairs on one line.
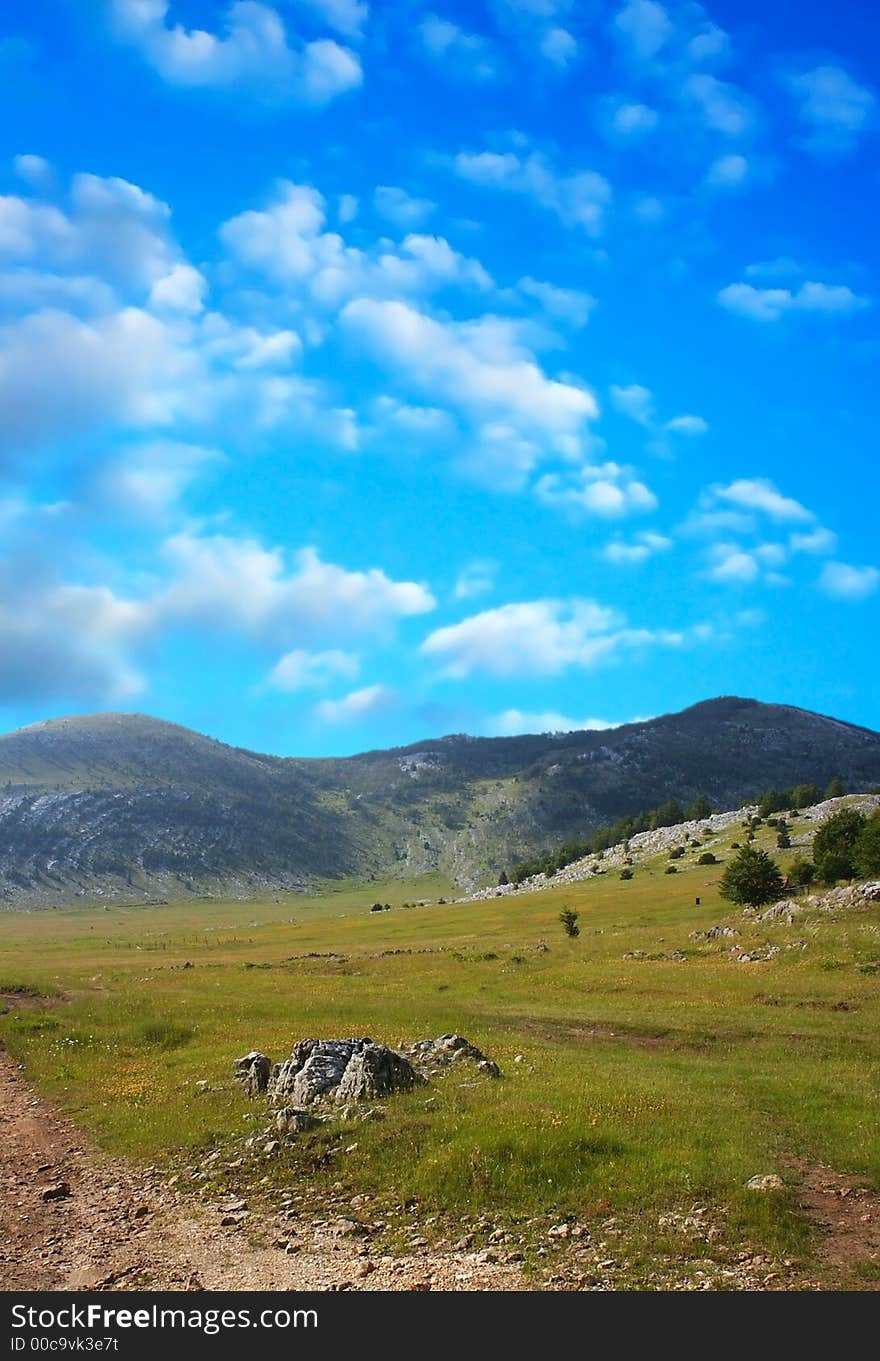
[[846, 1215], [71, 1219]]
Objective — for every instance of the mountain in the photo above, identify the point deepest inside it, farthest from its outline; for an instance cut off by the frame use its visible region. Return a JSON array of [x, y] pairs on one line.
[[124, 806]]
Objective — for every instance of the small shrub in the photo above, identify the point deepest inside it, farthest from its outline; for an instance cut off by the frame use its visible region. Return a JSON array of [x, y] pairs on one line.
[[626, 873], [671, 869], [707, 858], [676, 853]]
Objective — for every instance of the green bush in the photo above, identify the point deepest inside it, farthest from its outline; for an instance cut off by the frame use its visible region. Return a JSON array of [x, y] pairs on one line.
[[707, 858]]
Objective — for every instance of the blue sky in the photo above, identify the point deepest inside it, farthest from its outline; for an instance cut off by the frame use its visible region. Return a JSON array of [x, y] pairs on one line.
[[373, 371]]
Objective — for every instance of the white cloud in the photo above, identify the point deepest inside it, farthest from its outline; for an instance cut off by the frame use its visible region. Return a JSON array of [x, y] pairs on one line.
[[232, 583], [181, 290], [629, 120], [480, 368], [760, 494], [347, 208], [458, 53], [844, 582], [644, 547], [344, 16], [605, 489], [300, 670], [288, 244], [578, 200], [475, 578], [60, 375], [150, 479], [835, 108], [359, 704], [687, 425], [770, 304], [255, 52], [724, 108], [401, 208], [644, 28], [563, 304], [536, 638], [558, 46], [727, 172], [816, 541], [515, 722], [733, 564], [634, 401], [66, 642], [35, 171]]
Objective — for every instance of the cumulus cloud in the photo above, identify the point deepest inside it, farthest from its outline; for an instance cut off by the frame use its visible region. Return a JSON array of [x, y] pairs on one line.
[[149, 480], [301, 670], [760, 494], [235, 583], [687, 425], [841, 581], [481, 368], [723, 107], [643, 28], [256, 51], [606, 490], [401, 208], [475, 578], [562, 304], [770, 304], [558, 46], [577, 200], [644, 546], [834, 108], [287, 242], [66, 642], [727, 172], [536, 638], [634, 401], [458, 53], [359, 704]]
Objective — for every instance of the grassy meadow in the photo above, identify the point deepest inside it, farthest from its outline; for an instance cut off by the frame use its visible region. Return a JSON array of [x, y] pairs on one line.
[[645, 1084]]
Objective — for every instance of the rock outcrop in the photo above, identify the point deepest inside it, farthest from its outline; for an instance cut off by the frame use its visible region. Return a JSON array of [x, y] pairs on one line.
[[340, 1070]]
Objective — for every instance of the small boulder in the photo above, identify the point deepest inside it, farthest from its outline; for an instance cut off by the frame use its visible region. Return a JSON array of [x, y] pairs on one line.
[[253, 1071], [765, 1181]]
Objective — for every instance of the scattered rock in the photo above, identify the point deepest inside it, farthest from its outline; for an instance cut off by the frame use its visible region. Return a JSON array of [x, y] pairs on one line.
[[59, 1190], [446, 1050], [765, 1181], [293, 1120]]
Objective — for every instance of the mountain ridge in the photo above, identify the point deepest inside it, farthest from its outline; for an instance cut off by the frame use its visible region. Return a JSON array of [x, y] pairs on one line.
[[127, 805]]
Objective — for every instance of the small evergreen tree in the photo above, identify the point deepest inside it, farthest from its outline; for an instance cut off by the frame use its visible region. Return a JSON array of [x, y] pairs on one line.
[[835, 789], [569, 921], [751, 879]]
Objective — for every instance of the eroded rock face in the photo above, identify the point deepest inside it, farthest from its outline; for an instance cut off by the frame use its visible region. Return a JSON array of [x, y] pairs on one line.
[[376, 1071], [341, 1070], [253, 1070]]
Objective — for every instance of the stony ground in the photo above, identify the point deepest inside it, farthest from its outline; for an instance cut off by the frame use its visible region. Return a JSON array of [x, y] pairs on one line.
[[73, 1220]]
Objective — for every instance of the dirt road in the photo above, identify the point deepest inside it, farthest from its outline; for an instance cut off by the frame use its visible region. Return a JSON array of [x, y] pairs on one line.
[[71, 1219]]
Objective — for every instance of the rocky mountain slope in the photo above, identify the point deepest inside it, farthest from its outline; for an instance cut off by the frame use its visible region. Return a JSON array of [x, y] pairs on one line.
[[124, 806]]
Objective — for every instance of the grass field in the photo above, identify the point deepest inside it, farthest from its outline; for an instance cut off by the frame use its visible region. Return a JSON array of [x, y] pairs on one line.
[[646, 1084]]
